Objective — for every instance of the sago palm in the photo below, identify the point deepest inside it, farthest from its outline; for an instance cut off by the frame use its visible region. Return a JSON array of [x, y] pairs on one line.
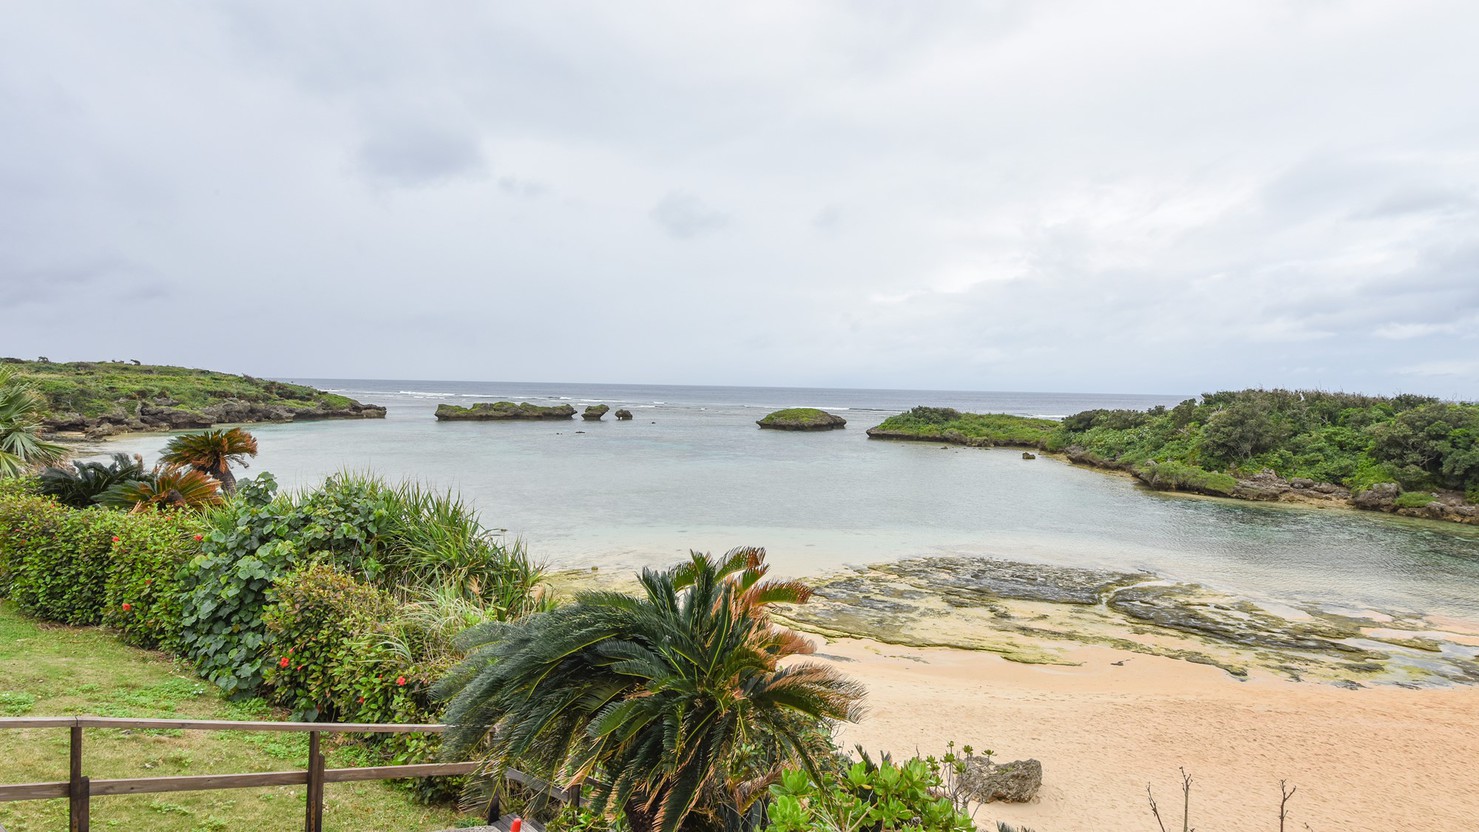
[[21, 446], [674, 704], [82, 483], [166, 487], [212, 452]]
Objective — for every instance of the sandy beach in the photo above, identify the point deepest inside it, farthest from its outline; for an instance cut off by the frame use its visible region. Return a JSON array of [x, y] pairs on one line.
[[1377, 758]]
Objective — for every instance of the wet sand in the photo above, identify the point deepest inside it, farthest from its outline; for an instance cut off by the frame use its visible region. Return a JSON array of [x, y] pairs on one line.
[[1376, 758]]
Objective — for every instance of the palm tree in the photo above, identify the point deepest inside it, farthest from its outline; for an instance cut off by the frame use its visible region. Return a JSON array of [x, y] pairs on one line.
[[21, 446], [676, 699], [212, 453], [166, 487]]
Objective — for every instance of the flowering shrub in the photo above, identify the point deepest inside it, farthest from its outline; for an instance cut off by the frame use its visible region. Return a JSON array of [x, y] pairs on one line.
[[319, 608], [143, 584]]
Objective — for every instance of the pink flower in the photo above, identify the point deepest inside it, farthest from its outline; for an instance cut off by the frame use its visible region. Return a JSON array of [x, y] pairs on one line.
[[400, 680]]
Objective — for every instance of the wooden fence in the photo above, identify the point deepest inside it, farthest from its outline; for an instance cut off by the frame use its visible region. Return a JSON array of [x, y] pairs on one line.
[[79, 789]]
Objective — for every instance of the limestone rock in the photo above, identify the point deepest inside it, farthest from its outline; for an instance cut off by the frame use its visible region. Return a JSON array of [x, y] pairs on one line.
[[594, 412], [623, 415], [502, 411], [1014, 782], [1379, 497], [802, 418], [1029, 455]]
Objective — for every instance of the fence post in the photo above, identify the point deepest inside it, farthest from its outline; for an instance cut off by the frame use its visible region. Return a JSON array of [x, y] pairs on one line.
[[78, 797], [314, 822]]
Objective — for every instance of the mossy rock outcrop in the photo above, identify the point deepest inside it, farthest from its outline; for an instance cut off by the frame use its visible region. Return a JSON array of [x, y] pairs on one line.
[[594, 412], [502, 411], [802, 418]]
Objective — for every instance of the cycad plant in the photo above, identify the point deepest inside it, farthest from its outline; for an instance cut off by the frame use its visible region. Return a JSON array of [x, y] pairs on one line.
[[82, 483], [166, 487], [675, 705], [21, 446], [213, 453]]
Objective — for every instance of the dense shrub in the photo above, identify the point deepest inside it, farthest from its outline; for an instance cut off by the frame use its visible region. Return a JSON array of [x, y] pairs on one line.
[[1175, 476], [883, 798], [56, 559], [318, 610], [142, 594]]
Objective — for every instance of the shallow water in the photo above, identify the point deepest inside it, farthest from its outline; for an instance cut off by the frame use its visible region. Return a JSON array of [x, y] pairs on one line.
[[693, 471]]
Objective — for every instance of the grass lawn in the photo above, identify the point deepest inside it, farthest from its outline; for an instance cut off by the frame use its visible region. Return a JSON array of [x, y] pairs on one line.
[[50, 670]]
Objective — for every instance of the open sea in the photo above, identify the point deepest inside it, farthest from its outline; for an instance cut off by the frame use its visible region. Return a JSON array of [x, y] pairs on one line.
[[692, 471]]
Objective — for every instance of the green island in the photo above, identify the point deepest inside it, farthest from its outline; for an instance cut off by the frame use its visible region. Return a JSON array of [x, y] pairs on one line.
[[802, 418], [1411, 455], [101, 398], [502, 411]]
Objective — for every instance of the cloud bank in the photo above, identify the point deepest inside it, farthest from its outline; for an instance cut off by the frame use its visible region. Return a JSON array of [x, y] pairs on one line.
[[1138, 197]]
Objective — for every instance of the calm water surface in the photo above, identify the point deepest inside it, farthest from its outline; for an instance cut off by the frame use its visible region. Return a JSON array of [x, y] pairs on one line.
[[693, 471]]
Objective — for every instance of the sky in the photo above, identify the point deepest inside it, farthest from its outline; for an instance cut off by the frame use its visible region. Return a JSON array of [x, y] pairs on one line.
[[1154, 197]]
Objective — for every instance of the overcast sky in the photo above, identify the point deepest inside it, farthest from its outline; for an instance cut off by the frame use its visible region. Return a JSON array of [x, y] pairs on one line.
[[1076, 196]]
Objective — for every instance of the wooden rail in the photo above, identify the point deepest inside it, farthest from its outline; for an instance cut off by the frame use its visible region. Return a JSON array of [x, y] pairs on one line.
[[79, 789]]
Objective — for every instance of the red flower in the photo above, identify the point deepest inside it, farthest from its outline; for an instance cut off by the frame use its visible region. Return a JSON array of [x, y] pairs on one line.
[[400, 680], [290, 651], [148, 581], [284, 662], [115, 540], [362, 700], [127, 606], [199, 538]]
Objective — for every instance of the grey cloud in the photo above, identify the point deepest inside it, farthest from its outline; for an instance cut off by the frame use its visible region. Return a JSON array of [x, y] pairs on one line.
[[685, 216], [410, 155]]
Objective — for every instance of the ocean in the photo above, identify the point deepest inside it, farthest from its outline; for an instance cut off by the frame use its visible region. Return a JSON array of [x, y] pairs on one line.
[[692, 471]]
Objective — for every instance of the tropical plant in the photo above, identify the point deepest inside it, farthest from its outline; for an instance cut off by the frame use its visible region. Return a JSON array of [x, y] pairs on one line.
[[21, 446], [677, 700], [166, 487], [82, 483], [212, 452]]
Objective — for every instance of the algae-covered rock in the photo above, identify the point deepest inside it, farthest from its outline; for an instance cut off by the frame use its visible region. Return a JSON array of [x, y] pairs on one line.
[[623, 415], [502, 411], [802, 418], [594, 412]]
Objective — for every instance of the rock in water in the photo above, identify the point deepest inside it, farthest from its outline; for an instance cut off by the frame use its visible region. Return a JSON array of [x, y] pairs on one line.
[[500, 411], [1014, 782], [802, 418], [623, 415], [1029, 455], [595, 412]]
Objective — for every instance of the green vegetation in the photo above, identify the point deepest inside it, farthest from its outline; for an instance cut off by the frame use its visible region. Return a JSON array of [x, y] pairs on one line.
[[93, 390], [81, 484], [1349, 440], [21, 409], [212, 453], [944, 424], [802, 418], [676, 700], [912, 795], [502, 411], [63, 670], [1424, 446]]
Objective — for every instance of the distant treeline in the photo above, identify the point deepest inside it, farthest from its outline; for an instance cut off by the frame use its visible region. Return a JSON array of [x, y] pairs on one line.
[[1355, 441]]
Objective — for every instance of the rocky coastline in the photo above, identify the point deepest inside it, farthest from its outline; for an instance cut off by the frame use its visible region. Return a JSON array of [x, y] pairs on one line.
[[145, 417], [503, 412]]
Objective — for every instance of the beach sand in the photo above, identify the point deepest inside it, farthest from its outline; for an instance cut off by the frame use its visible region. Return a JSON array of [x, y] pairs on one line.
[[1378, 758]]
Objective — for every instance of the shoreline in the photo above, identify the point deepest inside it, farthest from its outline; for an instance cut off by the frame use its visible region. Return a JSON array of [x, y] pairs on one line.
[[1372, 758]]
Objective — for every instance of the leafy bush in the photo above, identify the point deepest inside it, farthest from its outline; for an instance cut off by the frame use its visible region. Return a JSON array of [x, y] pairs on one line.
[[1175, 476], [166, 488], [143, 591], [981, 429], [318, 610], [398, 539], [1413, 499], [55, 560], [879, 798]]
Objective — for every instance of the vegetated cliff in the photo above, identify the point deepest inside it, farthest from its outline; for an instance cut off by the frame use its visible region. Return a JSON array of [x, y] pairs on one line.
[[1410, 455], [502, 411], [100, 398]]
